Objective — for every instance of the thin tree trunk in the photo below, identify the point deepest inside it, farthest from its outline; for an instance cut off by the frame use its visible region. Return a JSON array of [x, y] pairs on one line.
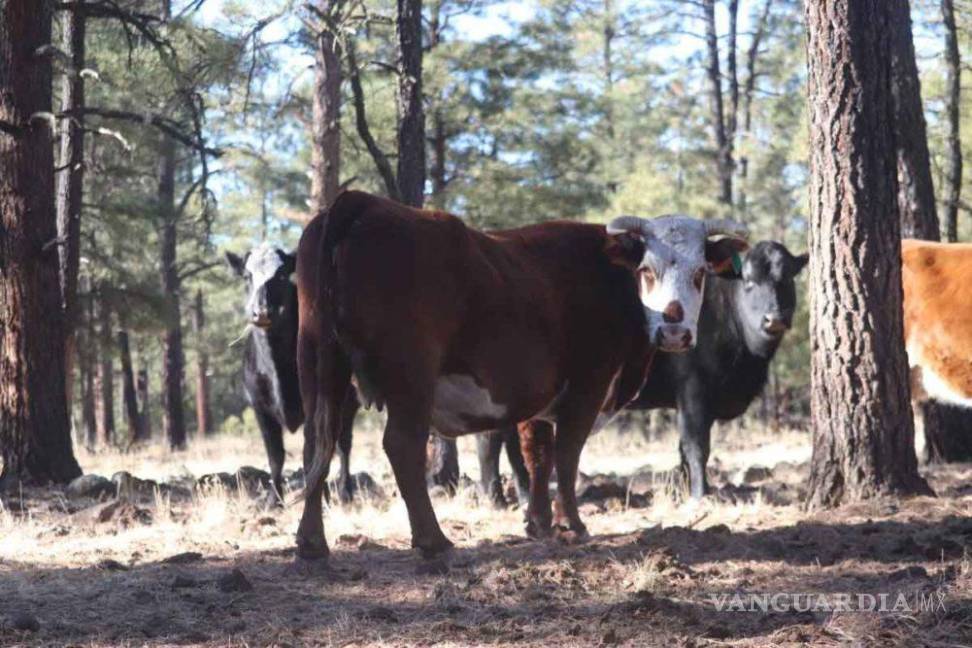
[[86, 362], [749, 89], [439, 151], [173, 360], [733, 117], [364, 130], [609, 34], [714, 72], [145, 414], [35, 427], [326, 131], [952, 185], [106, 371], [204, 418], [71, 182], [411, 115], [863, 432], [128, 383]]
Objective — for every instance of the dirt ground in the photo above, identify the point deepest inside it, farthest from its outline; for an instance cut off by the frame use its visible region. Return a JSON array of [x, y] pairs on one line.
[[182, 561]]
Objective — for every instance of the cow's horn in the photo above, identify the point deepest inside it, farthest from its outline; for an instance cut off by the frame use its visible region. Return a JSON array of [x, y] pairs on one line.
[[727, 228], [623, 224]]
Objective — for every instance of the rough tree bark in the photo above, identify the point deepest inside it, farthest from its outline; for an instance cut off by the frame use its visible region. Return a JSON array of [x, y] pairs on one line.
[[749, 89], [326, 131], [948, 429], [35, 427], [952, 181], [173, 360], [411, 115], [145, 413], [106, 370], [71, 181], [204, 417], [128, 383], [714, 73], [86, 365], [863, 432]]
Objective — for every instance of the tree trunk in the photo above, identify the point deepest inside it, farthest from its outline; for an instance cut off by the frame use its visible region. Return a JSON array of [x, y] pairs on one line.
[[86, 363], [128, 383], [713, 71], [749, 89], [382, 165], [106, 371], [411, 116], [732, 72], [173, 360], [71, 182], [863, 432], [952, 181], [145, 414], [326, 131], [35, 427], [204, 418]]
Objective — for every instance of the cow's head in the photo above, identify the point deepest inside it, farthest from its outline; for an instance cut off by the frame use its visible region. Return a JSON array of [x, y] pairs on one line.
[[672, 256], [766, 294], [267, 271]]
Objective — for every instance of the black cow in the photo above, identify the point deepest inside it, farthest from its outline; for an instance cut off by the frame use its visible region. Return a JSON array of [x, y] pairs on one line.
[[270, 358], [742, 322]]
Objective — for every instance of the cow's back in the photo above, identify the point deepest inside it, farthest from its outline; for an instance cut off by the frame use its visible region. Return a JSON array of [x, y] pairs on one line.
[[937, 283]]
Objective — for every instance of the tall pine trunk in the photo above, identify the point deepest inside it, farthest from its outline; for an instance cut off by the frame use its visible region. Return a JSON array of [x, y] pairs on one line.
[[145, 413], [128, 383], [71, 181], [326, 128], [863, 432], [952, 181], [173, 358], [714, 73], [35, 427], [106, 370], [411, 115], [204, 417], [86, 365]]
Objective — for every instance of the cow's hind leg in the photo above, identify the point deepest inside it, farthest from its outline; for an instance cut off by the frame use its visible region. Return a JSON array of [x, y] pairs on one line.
[[333, 378], [273, 441], [573, 427], [488, 447], [511, 439], [537, 442], [406, 435], [349, 410]]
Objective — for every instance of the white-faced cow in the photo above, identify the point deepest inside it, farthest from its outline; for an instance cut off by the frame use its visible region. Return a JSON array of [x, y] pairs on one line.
[[467, 331], [936, 279], [270, 358], [743, 319]]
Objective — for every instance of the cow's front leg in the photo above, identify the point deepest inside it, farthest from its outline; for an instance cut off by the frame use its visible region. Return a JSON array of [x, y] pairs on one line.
[[488, 447], [406, 435], [520, 473], [537, 444], [695, 426], [572, 433], [273, 441]]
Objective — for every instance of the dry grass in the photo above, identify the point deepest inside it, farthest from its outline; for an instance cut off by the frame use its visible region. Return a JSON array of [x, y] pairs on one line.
[[646, 577]]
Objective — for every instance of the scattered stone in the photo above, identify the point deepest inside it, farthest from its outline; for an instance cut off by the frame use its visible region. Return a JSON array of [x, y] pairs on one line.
[[248, 478], [719, 529], [364, 485], [914, 571], [359, 542], [754, 474], [130, 487], [183, 558], [600, 487], [112, 565], [434, 567], [25, 622], [94, 486], [123, 512], [181, 582], [234, 581]]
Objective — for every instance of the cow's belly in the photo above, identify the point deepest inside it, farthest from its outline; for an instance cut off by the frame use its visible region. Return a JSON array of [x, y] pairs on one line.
[[941, 376], [461, 405]]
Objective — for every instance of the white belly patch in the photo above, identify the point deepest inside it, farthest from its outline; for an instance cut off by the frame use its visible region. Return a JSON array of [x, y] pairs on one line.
[[937, 387], [459, 400]]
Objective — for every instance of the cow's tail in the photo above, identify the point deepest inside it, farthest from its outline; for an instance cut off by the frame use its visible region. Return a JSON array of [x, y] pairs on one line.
[[331, 370]]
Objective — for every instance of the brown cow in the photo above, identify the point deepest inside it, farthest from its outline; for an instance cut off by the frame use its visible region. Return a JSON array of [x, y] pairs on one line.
[[466, 331], [937, 281]]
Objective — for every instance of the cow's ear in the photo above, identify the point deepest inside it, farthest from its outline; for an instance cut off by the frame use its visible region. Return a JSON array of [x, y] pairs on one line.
[[236, 262], [289, 262], [799, 263], [625, 249], [723, 256]]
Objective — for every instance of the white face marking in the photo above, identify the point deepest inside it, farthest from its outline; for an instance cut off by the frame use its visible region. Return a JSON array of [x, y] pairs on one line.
[[459, 397], [674, 255], [262, 264]]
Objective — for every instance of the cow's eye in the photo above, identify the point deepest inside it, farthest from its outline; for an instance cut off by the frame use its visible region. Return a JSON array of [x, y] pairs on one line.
[[647, 278], [698, 278]]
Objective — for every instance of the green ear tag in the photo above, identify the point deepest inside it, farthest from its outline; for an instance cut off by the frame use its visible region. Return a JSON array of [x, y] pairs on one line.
[[737, 263]]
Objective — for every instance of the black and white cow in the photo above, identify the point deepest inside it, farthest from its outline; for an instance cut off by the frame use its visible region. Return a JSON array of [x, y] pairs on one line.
[[270, 358], [741, 325]]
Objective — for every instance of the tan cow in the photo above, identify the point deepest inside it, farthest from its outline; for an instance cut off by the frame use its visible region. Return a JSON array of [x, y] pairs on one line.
[[937, 281]]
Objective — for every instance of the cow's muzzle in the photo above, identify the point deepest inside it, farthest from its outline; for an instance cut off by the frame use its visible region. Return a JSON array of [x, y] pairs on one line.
[[774, 326], [673, 338]]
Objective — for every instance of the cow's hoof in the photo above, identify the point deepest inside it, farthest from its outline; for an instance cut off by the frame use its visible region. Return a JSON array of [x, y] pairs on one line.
[[572, 536], [312, 550], [434, 550]]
